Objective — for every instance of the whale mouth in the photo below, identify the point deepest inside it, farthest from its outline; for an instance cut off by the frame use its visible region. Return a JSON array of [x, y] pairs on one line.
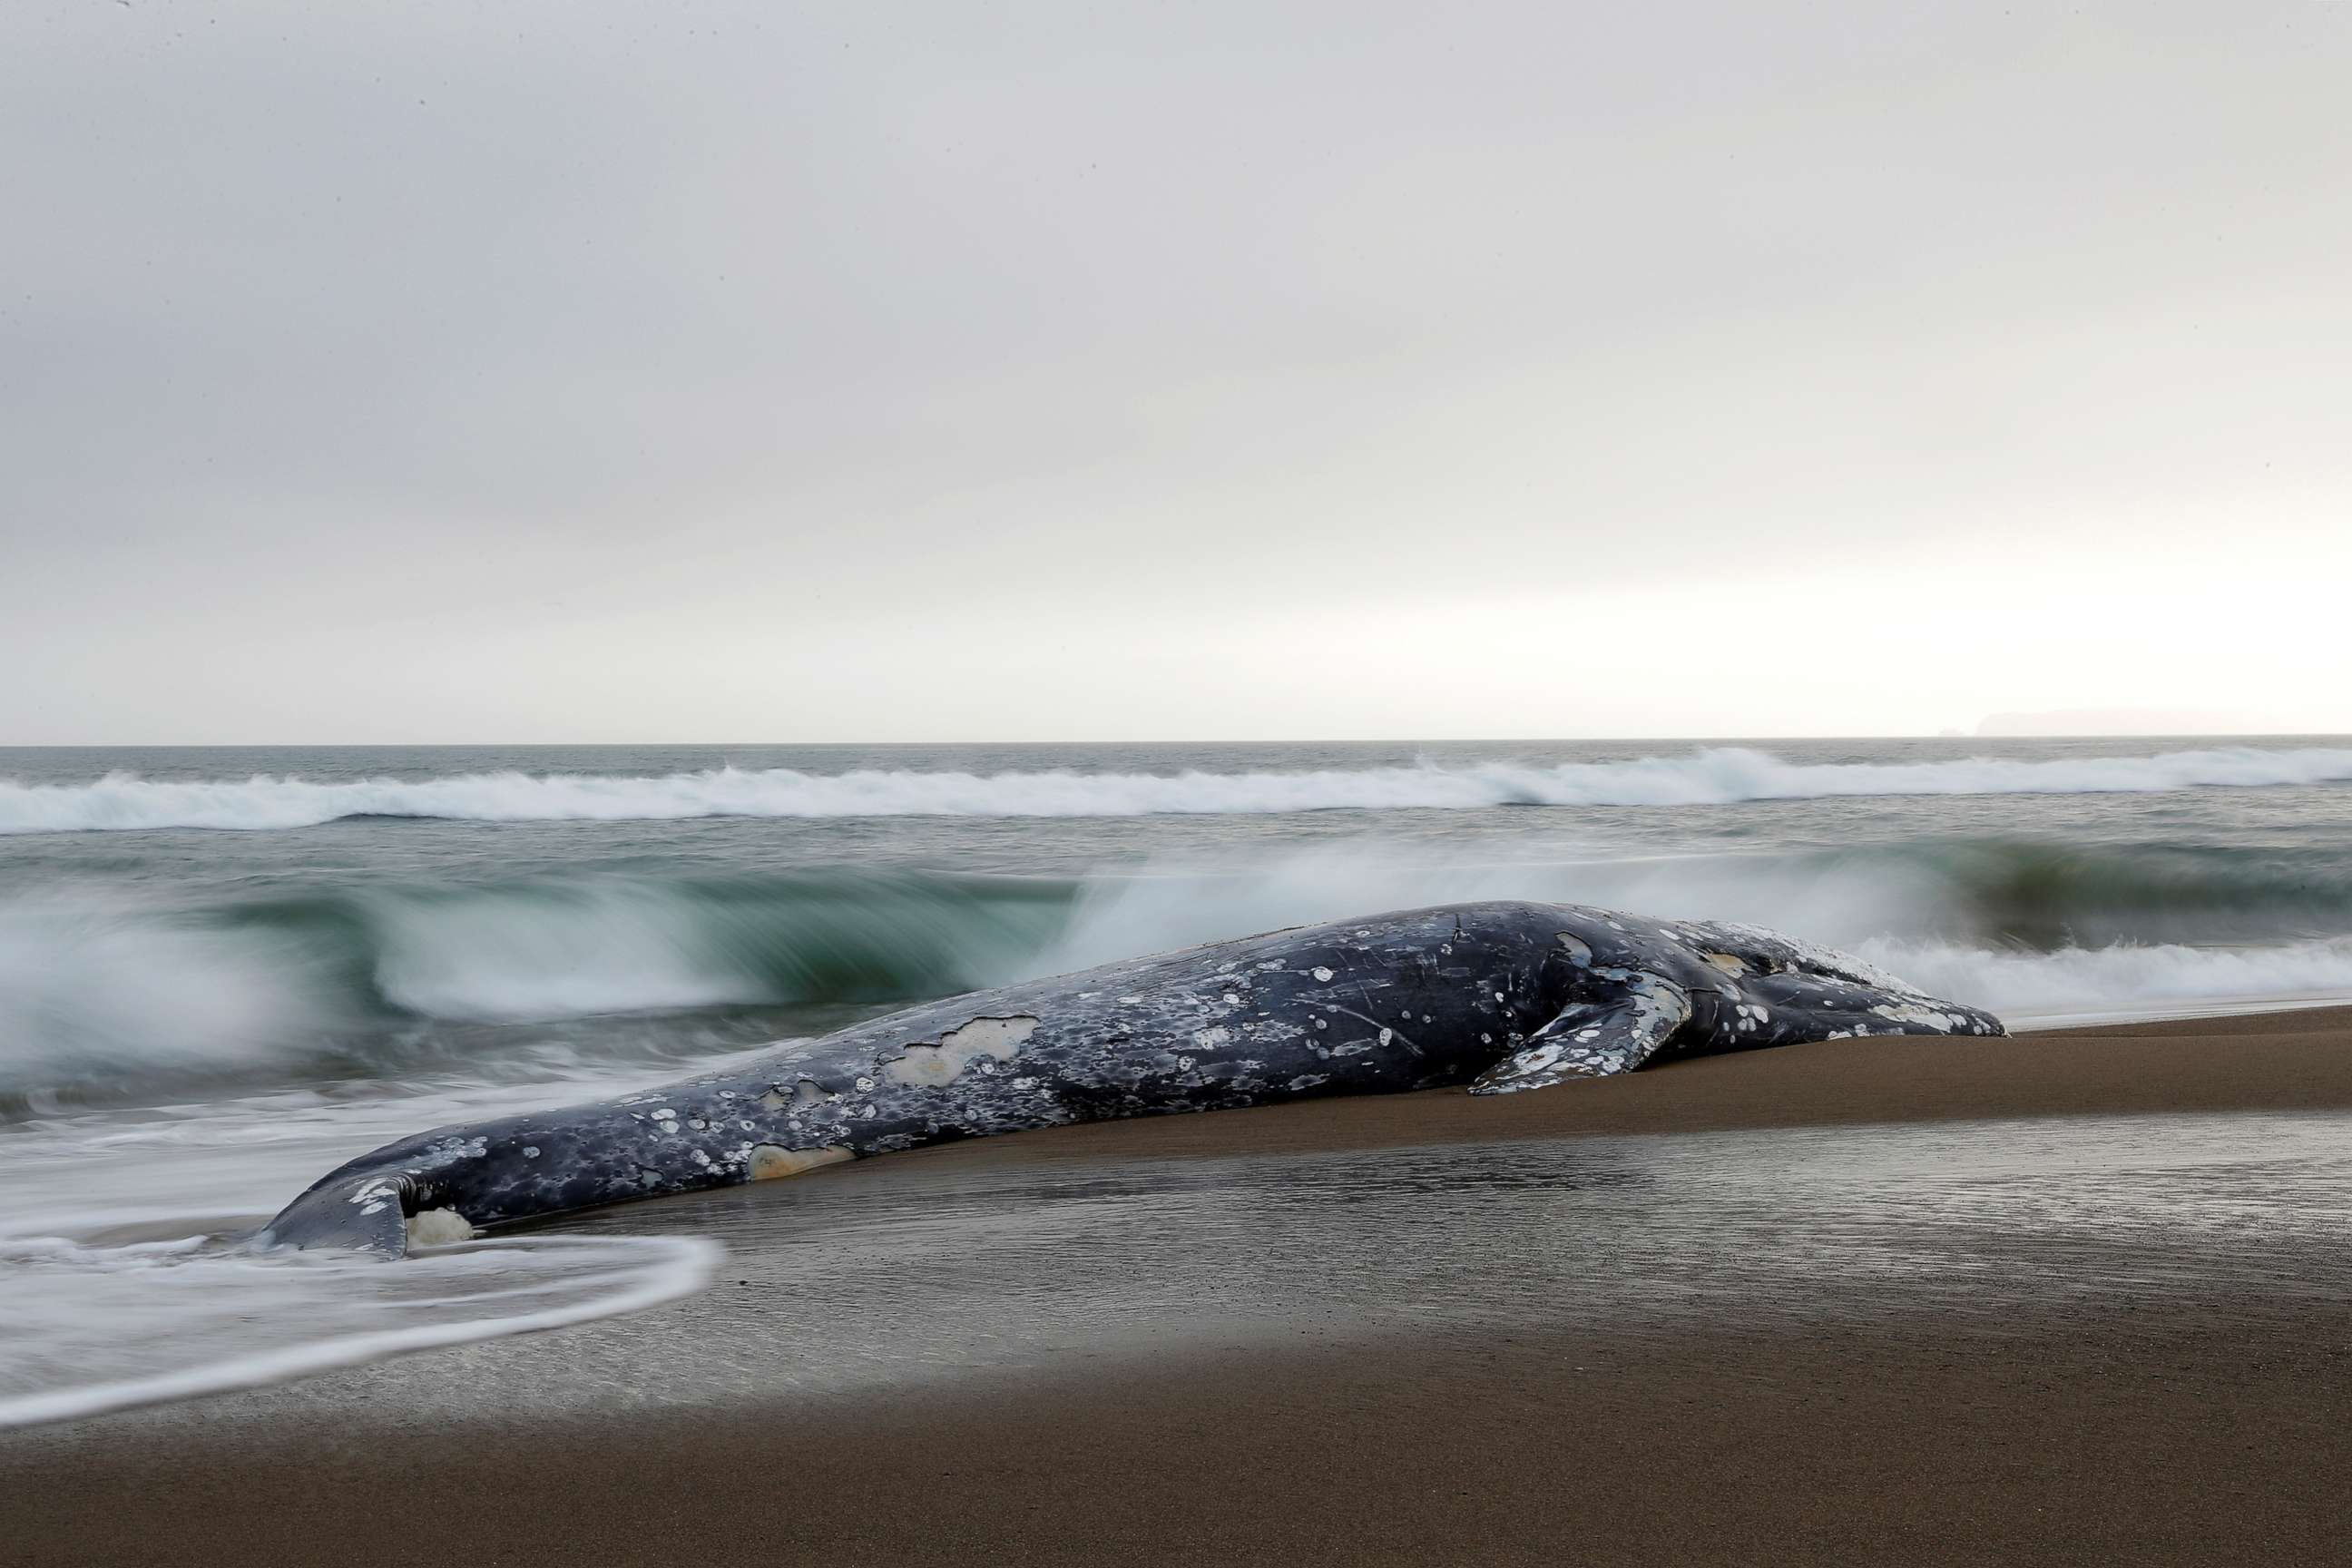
[[438, 1227]]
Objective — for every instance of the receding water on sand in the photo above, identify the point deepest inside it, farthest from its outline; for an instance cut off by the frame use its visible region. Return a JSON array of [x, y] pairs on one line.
[[1015, 1253]]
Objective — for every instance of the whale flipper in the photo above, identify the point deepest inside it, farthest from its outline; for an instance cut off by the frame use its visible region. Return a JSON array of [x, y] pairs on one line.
[[1593, 1039]]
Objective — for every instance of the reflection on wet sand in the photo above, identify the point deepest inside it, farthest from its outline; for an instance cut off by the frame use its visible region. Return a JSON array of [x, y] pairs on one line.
[[905, 1269]]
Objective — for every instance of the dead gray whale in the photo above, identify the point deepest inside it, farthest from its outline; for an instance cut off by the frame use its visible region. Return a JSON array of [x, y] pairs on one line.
[[1503, 996]]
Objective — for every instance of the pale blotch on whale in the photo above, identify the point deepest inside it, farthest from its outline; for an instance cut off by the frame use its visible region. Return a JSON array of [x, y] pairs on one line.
[[1000, 1038]]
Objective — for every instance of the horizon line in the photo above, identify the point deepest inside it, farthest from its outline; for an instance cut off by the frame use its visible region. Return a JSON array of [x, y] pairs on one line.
[[1350, 741]]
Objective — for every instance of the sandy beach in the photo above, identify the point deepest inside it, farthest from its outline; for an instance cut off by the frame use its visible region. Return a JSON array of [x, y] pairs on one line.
[[2074, 1308]]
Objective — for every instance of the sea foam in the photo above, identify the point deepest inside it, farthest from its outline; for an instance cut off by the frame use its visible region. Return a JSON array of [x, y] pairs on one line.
[[114, 1327], [123, 1281]]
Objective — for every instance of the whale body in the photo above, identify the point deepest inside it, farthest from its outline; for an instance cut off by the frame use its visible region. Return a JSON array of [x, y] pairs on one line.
[[1501, 997]]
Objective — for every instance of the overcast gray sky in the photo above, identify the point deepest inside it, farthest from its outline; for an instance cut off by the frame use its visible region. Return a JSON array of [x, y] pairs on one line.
[[587, 371]]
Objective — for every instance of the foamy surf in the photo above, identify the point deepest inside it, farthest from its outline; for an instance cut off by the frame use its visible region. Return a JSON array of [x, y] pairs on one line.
[[99, 1329], [123, 802], [124, 1279], [2124, 982]]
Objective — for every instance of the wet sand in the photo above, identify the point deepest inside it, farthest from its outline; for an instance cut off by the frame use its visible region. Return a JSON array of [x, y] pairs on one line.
[[2058, 1338]]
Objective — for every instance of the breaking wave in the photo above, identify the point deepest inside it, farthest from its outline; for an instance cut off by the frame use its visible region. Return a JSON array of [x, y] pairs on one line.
[[1712, 776], [96, 992], [106, 998]]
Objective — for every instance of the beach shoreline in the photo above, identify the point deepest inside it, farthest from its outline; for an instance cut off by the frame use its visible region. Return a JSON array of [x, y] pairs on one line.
[[2183, 1414]]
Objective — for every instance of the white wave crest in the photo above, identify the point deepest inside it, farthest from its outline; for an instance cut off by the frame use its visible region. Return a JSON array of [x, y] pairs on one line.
[[556, 953], [2083, 984], [96, 992], [89, 989], [1711, 776]]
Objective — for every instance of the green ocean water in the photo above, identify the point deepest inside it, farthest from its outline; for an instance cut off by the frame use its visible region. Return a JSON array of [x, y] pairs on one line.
[[175, 918]]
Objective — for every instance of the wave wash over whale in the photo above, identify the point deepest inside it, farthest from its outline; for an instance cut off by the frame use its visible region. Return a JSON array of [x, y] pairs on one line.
[[1506, 996]]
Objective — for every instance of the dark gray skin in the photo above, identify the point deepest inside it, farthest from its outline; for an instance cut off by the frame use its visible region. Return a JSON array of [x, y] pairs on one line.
[[1503, 996]]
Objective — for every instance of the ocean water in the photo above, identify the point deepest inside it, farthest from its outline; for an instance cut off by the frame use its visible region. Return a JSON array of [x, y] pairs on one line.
[[222, 970]]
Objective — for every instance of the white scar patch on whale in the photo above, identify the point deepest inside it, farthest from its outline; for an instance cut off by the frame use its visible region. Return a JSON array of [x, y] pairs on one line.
[[769, 1162], [958, 1049]]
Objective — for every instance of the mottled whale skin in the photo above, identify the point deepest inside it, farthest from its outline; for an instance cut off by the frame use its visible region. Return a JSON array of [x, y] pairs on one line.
[[1501, 996]]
